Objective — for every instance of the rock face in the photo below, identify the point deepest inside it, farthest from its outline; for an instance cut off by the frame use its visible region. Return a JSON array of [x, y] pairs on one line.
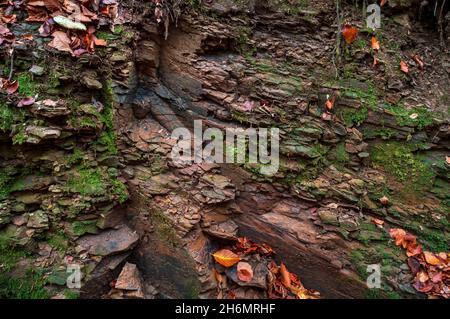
[[109, 242], [87, 176]]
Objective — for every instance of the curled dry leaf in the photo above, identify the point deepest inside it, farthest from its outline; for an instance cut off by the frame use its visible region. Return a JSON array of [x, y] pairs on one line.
[[384, 200], [26, 101], [404, 67], [349, 33], [226, 257], [244, 271], [378, 222], [285, 276], [12, 87], [375, 44], [418, 61]]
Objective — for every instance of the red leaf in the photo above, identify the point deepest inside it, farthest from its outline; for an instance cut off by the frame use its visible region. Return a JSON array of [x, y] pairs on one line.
[[349, 33]]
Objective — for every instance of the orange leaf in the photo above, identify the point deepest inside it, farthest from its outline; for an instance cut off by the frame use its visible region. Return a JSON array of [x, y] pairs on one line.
[[418, 61], [383, 2], [375, 44], [431, 259], [398, 234], [226, 257], [244, 271], [285, 276], [404, 67], [349, 33]]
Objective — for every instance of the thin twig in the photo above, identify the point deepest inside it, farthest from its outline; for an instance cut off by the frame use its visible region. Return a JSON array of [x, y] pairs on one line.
[[11, 66]]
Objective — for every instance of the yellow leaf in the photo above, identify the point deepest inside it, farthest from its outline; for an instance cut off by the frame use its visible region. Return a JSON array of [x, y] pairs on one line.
[[226, 257], [431, 259]]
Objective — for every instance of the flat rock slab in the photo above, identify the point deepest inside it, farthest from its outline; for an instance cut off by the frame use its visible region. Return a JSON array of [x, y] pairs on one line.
[[109, 241], [129, 279]]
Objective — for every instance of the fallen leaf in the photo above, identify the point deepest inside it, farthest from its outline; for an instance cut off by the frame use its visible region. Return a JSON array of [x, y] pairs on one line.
[[349, 33], [404, 67], [26, 101], [9, 18], [414, 116], [398, 235], [413, 250], [226, 257], [285, 276], [375, 44], [447, 159], [378, 222], [422, 276], [12, 87], [384, 200], [418, 61], [414, 265], [244, 271], [69, 24], [431, 259], [60, 41], [330, 103], [437, 277], [383, 2]]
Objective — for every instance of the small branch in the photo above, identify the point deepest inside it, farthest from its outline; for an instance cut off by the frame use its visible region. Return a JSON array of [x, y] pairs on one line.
[[441, 23], [11, 66]]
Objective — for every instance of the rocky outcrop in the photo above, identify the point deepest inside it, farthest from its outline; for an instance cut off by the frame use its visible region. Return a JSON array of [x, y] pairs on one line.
[[101, 132]]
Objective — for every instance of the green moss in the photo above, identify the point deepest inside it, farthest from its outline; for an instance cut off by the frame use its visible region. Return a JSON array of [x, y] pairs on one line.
[[29, 287], [70, 294], [341, 155], [422, 117], [354, 116], [434, 240], [9, 116], [82, 227], [120, 190], [6, 180], [6, 117], [385, 133], [76, 157], [10, 252], [398, 161], [107, 139], [27, 87], [86, 181], [58, 241]]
